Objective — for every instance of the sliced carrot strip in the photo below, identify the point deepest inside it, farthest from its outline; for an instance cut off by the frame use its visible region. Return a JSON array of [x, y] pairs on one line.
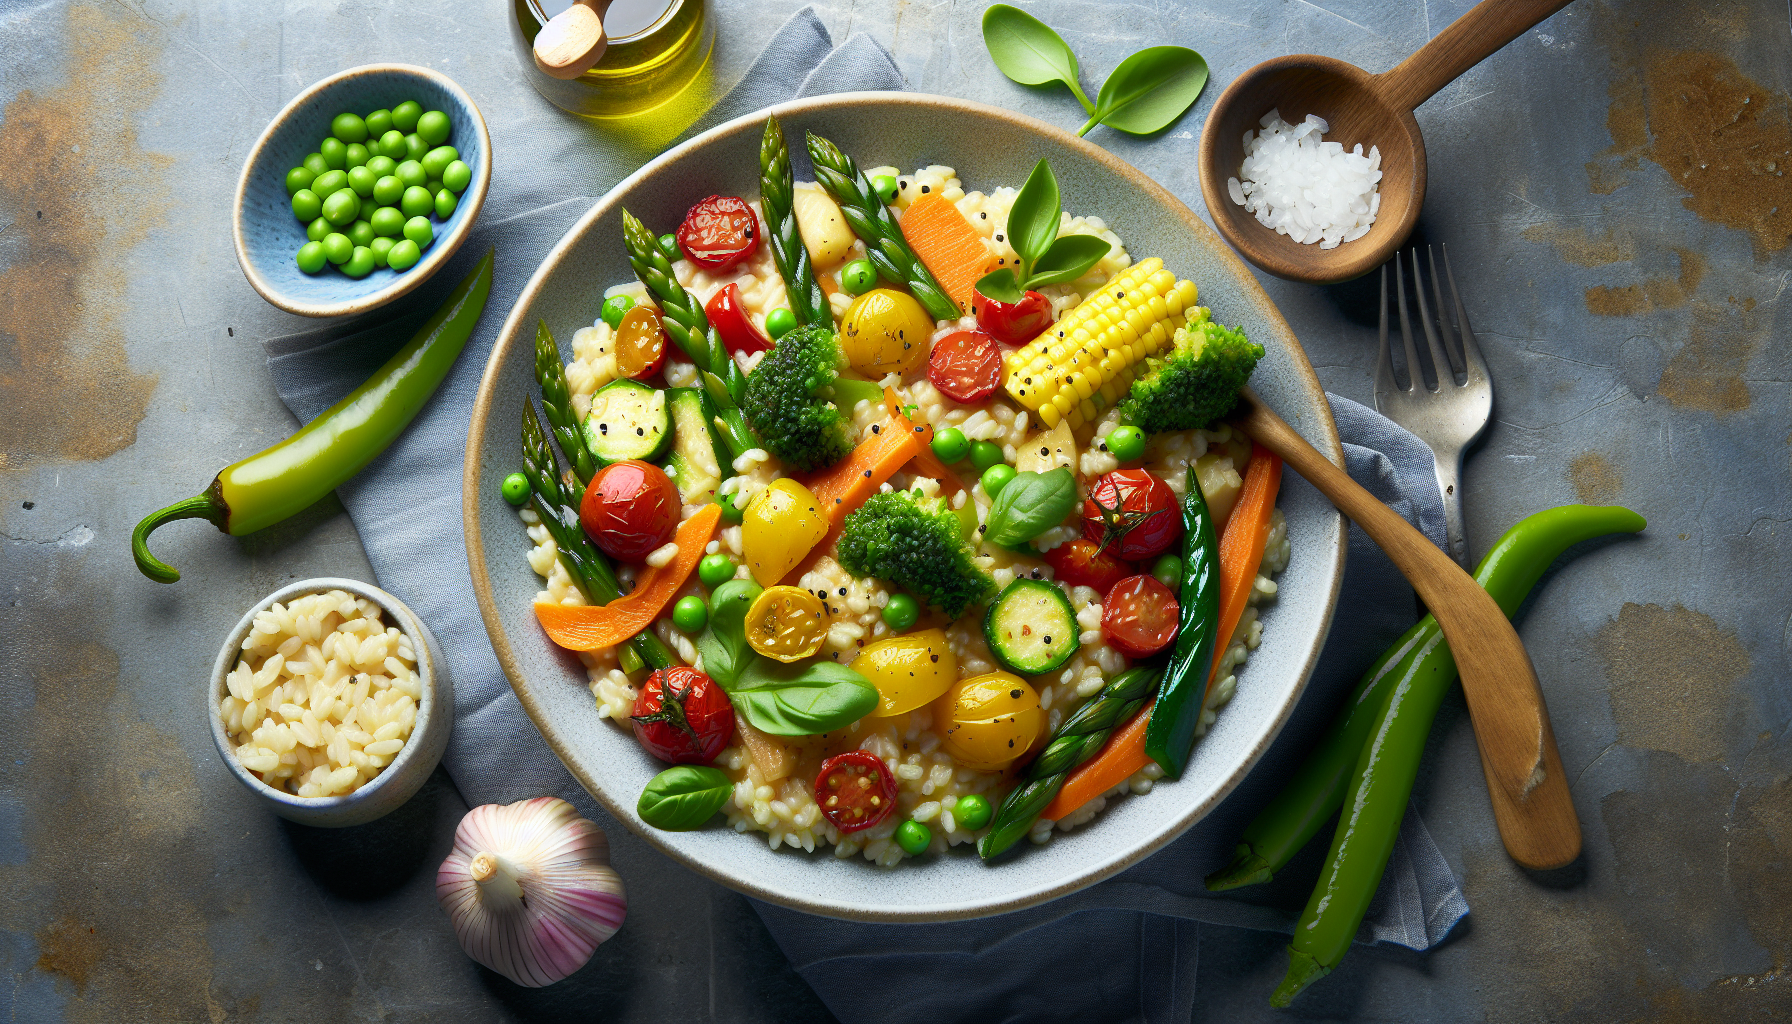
[[947, 243], [594, 627], [1121, 757], [925, 462]]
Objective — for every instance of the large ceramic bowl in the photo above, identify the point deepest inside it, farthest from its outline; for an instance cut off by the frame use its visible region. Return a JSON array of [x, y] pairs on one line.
[[989, 147]]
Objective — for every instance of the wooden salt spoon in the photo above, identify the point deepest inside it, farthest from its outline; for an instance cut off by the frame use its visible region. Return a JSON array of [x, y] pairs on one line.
[[1374, 110], [1518, 748], [573, 40]]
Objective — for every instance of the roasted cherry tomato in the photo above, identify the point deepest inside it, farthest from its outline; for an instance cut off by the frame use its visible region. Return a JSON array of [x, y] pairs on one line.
[[682, 716], [641, 343], [1014, 323], [728, 314], [885, 330], [1082, 563], [908, 671], [719, 232], [989, 721], [630, 508], [966, 366], [1132, 514], [787, 623], [1139, 616], [855, 790], [779, 529]]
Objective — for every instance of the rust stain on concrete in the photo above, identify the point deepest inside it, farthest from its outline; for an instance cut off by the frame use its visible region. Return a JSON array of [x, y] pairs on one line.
[[1671, 676], [1595, 479], [1579, 247], [1653, 293], [69, 948], [1707, 373]]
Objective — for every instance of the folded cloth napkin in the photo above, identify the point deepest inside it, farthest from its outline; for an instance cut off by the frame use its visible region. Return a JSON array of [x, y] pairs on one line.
[[406, 506]]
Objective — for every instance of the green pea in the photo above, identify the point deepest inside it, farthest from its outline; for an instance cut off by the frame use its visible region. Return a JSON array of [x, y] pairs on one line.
[[306, 206], [357, 155], [311, 257], [434, 126], [669, 246], [362, 181], [885, 187], [391, 145], [715, 570], [996, 477], [360, 264], [858, 277], [381, 165], [378, 123], [329, 183], [457, 176], [414, 147], [690, 614], [731, 512], [343, 207], [1126, 443], [411, 173], [972, 812], [615, 308], [403, 255], [298, 178], [360, 233], [337, 248], [445, 204], [1168, 571], [388, 190], [349, 127], [901, 612], [437, 160], [317, 229], [913, 837], [417, 202], [951, 445], [404, 116], [387, 221], [314, 162], [380, 247], [417, 229], [985, 454], [335, 153], [780, 322], [516, 489], [434, 186]]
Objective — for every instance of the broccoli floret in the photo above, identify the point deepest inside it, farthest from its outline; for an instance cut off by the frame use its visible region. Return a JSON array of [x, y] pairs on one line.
[[1195, 383], [791, 400], [915, 543]]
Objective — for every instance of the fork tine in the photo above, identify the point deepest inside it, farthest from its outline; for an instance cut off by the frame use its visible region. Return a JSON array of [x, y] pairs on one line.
[[1452, 347], [1471, 349], [1384, 366], [1415, 376], [1440, 363]]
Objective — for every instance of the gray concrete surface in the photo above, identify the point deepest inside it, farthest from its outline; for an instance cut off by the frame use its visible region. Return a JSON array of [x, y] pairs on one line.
[[1612, 184]]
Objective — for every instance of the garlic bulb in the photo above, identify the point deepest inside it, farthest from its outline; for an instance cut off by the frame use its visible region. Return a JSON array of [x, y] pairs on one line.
[[529, 889]]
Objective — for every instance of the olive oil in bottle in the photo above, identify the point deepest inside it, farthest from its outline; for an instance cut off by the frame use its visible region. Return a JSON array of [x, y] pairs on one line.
[[657, 49]]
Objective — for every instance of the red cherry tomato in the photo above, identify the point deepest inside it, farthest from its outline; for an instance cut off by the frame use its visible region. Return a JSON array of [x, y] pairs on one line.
[[719, 232], [1082, 563], [966, 366], [1014, 323], [683, 717], [1139, 616], [855, 790], [1133, 514], [728, 314], [630, 508]]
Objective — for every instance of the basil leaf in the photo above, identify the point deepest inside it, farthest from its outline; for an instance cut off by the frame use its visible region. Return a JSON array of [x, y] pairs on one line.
[[1029, 505], [724, 643], [1149, 90], [1033, 217], [1001, 286], [1069, 258], [1028, 51], [802, 699], [683, 797]]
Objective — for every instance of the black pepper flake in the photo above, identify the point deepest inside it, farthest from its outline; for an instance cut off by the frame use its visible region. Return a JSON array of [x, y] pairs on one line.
[[867, 474], [1037, 574], [640, 432], [29, 505], [926, 189], [603, 428], [934, 658], [842, 591], [985, 216], [902, 184], [877, 428], [998, 236], [1014, 693], [1048, 640]]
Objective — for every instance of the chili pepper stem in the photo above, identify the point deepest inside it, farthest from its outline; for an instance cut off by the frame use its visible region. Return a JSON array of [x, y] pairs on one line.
[[1303, 970], [208, 506]]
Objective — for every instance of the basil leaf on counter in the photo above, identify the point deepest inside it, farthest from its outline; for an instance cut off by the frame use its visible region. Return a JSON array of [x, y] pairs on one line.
[[1033, 217], [1069, 258], [803, 699], [1029, 505], [1028, 51], [683, 797], [1149, 90]]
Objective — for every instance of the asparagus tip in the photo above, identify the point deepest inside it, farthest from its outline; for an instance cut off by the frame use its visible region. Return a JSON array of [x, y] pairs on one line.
[[1246, 869], [1303, 970]]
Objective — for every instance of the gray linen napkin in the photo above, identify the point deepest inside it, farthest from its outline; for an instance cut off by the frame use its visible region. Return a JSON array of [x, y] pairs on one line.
[[406, 506]]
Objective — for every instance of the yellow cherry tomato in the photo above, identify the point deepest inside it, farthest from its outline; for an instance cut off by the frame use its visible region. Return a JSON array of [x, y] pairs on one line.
[[989, 720], [779, 529], [787, 623], [886, 330], [908, 670]]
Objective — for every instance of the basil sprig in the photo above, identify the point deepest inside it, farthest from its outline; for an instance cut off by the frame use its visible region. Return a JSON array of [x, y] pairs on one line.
[[1044, 256], [801, 699], [683, 797], [1029, 505]]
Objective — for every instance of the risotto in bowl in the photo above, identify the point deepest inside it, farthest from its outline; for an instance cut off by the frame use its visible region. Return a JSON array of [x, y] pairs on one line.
[[844, 505]]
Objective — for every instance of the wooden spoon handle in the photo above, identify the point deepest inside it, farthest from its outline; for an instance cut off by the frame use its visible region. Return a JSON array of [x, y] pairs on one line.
[[1524, 773], [1467, 41]]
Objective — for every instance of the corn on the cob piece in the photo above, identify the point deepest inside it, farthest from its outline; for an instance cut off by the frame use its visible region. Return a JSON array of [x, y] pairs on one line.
[[1086, 362]]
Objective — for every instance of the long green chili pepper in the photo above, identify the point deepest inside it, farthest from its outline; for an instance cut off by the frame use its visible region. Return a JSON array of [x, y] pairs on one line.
[[1076, 741], [263, 489], [777, 195], [556, 405], [870, 219], [1170, 733], [1382, 773]]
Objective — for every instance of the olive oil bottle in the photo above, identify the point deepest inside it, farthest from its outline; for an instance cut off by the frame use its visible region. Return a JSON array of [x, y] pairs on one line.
[[657, 50]]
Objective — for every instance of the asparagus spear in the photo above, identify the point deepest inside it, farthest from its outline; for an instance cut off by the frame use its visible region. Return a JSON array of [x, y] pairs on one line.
[[556, 404], [1077, 740], [885, 247], [777, 196]]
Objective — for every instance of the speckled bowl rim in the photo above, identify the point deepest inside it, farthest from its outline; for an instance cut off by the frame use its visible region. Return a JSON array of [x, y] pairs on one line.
[[472, 201], [515, 332], [409, 624]]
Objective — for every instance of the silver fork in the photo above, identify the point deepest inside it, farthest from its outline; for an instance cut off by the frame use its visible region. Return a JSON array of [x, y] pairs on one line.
[[1449, 416]]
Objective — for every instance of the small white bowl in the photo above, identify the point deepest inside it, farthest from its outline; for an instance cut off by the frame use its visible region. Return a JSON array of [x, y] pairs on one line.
[[401, 779]]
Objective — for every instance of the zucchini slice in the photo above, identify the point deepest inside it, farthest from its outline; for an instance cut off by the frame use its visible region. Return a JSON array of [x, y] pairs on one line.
[[628, 420], [699, 462], [1031, 627]]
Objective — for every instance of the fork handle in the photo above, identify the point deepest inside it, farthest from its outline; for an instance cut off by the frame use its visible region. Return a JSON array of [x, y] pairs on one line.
[[1449, 485]]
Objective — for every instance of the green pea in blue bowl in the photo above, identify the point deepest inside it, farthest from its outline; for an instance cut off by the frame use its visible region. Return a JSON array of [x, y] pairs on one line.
[[270, 235]]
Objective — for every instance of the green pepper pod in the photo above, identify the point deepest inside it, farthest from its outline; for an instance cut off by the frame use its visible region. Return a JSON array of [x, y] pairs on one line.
[[264, 489], [1170, 734], [1382, 777]]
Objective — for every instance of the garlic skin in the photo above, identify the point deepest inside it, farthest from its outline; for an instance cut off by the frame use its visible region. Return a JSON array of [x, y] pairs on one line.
[[529, 889]]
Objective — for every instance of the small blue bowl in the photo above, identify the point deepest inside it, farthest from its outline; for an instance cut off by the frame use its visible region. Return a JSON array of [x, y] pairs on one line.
[[268, 236]]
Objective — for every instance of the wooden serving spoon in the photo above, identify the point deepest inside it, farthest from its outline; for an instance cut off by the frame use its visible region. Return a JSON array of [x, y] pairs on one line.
[[1518, 748], [1374, 110], [573, 40]]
